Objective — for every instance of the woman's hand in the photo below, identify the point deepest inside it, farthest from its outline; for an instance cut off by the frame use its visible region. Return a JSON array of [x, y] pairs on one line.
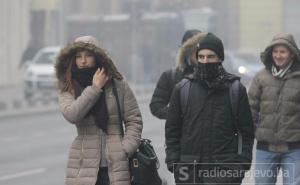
[[100, 78]]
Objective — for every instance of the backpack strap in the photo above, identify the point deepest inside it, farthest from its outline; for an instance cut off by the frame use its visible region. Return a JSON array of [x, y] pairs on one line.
[[185, 85], [234, 100]]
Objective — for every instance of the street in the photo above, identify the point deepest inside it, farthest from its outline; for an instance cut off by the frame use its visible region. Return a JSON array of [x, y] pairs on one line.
[[34, 148], [50, 45]]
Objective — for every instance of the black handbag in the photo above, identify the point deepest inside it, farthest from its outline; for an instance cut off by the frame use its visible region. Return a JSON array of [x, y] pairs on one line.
[[143, 164]]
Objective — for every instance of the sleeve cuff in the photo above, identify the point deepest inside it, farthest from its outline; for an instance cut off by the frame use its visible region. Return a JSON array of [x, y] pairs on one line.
[[97, 89]]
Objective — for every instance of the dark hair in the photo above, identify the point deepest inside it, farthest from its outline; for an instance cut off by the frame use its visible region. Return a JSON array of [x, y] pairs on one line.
[[69, 82]]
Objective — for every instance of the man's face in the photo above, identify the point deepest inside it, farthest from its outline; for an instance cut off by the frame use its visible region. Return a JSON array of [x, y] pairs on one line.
[[281, 56], [207, 56]]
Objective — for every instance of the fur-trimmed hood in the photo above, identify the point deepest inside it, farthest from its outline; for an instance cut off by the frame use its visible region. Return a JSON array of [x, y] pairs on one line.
[[280, 39], [68, 53], [186, 48]]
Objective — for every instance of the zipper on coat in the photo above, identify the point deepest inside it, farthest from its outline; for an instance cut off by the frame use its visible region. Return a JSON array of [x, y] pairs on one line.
[[210, 92], [100, 157], [278, 103]]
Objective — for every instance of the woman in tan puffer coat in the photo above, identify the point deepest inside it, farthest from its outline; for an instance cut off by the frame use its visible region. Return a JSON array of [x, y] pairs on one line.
[[99, 153]]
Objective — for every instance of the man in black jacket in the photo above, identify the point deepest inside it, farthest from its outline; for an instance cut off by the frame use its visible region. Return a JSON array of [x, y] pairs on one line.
[[186, 57], [204, 134]]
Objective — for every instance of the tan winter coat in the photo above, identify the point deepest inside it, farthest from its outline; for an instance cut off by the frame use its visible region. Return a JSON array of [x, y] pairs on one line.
[[85, 152], [275, 103]]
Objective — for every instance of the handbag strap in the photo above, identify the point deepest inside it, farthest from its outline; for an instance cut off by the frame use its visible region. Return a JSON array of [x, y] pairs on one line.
[[121, 118], [115, 92]]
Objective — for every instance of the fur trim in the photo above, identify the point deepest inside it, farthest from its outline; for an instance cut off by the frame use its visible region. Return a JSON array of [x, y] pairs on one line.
[[68, 52], [187, 48]]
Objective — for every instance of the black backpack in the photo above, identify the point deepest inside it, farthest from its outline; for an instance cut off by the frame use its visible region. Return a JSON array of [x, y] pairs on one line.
[[234, 100]]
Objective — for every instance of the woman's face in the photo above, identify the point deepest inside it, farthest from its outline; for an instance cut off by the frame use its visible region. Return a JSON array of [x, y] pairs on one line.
[[84, 59], [281, 56]]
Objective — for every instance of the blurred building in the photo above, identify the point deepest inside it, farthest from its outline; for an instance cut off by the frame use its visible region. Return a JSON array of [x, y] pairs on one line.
[[142, 36], [290, 19], [143, 42], [14, 35], [259, 22], [44, 23], [227, 22]]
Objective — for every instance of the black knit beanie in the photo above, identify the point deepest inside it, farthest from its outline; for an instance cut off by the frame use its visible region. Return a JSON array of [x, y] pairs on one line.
[[188, 34], [212, 42]]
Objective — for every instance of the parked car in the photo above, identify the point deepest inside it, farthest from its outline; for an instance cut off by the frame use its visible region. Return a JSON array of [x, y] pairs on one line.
[[39, 75], [241, 67]]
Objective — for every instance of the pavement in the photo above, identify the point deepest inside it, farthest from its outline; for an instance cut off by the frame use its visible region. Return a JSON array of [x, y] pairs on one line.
[[12, 104]]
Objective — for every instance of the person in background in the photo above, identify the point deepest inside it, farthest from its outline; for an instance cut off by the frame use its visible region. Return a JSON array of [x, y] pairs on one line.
[[86, 78], [186, 57], [274, 97]]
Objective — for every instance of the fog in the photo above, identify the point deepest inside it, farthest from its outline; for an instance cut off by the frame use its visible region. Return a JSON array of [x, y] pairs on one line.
[[142, 36]]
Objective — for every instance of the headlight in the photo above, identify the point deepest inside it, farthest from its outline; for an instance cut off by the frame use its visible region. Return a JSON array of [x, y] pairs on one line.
[[242, 70]]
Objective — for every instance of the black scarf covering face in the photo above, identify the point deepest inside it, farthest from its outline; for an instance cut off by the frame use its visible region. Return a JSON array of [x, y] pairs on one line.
[[213, 75], [84, 78]]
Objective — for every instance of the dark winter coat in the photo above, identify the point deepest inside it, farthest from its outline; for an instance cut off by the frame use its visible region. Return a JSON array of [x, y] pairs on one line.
[[206, 132], [160, 99], [162, 93]]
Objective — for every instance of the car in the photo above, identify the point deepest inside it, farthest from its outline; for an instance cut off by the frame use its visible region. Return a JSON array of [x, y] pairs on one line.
[[39, 75], [241, 67]]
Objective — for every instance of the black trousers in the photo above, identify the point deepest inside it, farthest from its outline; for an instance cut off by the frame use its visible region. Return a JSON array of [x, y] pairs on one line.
[[102, 178]]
